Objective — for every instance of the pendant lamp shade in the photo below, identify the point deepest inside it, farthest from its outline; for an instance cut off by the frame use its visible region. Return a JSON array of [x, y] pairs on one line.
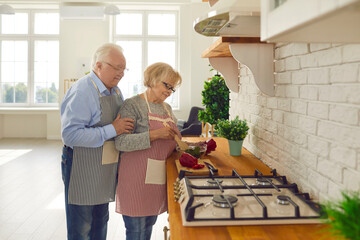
[[111, 10], [6, 9]]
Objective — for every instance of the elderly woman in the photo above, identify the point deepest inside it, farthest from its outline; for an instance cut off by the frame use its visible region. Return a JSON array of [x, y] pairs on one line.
[[141, 190]]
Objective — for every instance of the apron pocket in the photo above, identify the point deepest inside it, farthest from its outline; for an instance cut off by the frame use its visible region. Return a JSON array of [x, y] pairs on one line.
[[155, 172], [110, 154]]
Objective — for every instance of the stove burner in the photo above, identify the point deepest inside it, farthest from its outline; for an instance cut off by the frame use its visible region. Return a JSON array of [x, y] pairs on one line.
[[213, 182], [283, 200], [263, 181], [220, 201]]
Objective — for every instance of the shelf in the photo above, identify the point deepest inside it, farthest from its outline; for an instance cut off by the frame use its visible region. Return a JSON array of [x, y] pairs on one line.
[[227, 53], [220, 48]]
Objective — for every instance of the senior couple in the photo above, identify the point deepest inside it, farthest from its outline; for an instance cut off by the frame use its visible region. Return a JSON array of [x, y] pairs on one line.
[[96, 123]]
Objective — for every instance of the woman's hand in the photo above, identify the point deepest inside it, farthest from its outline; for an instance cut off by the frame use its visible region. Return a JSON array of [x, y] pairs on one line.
[[162, 133]]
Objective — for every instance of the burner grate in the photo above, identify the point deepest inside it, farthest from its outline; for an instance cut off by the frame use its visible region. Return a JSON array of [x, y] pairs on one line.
[[254, 191]]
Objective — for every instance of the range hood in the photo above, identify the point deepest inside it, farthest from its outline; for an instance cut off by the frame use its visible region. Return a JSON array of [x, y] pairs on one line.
[[231, 18]]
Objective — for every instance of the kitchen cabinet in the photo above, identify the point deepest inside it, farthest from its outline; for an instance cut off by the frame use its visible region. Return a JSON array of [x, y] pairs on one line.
[[227, 53], [315, 21], [245, 165]]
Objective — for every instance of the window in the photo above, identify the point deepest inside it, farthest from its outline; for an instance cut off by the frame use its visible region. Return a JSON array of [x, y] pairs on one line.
[[147, 37], [29, 59]]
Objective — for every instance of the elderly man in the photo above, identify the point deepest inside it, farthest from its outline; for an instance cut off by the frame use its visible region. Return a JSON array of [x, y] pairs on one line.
[[89, 123]]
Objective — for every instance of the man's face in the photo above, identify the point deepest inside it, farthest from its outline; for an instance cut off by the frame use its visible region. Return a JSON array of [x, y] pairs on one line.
[[111, 70]]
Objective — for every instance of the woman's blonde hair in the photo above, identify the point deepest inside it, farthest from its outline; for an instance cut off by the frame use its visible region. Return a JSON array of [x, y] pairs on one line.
[[160, 71]]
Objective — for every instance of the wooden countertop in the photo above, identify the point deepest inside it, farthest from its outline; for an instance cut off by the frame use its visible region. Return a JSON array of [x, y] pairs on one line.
[[244, 165]]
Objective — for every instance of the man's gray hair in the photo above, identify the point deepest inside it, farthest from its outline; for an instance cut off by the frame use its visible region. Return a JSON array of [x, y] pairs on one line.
[[103, 51]]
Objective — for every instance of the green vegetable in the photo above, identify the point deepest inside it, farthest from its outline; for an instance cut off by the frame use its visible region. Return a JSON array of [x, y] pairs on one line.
[[194, 152], [343, 216]]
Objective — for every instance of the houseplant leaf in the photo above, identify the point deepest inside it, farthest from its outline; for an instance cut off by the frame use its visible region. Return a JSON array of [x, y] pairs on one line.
[[235, 129], [215, 99], [343, 215]]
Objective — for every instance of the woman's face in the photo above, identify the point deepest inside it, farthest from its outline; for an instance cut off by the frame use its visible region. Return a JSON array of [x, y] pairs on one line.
[[162, 90]]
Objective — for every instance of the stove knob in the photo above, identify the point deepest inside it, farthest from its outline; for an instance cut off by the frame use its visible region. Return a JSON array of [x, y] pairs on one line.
[[176, 183], [177, 197]]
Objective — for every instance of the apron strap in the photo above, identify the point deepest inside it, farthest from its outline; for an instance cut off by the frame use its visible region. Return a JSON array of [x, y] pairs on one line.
[[164, 120], [117, 91], [157, 118], [147, 102]]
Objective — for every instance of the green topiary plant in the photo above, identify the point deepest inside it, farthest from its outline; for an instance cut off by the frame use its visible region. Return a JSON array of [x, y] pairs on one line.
[[235, 129], [343, 216], [215, 99]]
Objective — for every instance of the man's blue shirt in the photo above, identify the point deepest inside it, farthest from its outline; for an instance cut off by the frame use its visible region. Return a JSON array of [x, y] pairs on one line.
[[80, 109]]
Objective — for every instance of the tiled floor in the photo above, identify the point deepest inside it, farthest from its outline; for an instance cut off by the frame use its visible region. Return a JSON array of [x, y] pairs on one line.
[[31, 194]]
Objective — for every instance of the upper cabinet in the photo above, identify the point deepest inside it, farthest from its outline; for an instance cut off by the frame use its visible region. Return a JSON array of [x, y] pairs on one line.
[[315, 21]]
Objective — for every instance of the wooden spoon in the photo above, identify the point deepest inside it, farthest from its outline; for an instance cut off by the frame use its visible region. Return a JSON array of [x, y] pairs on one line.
[[182, 145]]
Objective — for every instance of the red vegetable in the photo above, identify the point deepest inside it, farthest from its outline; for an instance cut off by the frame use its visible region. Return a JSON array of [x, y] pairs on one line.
[[211, 145], [198, 166], [188, 160]]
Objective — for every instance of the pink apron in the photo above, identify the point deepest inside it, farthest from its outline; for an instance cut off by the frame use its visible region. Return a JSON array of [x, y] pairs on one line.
[[141, 189]]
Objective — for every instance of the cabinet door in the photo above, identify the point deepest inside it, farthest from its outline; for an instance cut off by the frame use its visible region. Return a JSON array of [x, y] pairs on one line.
[[310, 21]]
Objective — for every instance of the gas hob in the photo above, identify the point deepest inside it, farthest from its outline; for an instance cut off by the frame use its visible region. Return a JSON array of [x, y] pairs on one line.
[[243, 200]]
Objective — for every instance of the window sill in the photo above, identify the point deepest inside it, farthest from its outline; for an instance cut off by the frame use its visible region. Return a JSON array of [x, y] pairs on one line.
[[27, 110]]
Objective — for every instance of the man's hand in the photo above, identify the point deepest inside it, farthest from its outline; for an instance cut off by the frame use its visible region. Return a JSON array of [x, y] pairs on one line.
[[123, 125], [162, 133]]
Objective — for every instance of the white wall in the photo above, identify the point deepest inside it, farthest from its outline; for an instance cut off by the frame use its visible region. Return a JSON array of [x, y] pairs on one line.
[[310, 130], [200, 70], [79, 39], [194, 69], [1, 126]]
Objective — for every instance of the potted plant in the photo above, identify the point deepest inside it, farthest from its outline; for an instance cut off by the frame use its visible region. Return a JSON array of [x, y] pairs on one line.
[[343, 216], [234, 131], [215, 100]]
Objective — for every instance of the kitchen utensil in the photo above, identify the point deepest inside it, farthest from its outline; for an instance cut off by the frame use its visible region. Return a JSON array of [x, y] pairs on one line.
[[183, 146], [211, 167]]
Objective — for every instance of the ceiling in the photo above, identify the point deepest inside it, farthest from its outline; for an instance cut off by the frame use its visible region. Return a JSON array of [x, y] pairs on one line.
[[99, 1]]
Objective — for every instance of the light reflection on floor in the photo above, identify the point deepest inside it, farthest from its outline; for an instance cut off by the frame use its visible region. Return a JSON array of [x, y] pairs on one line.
[[7, 155], [57, 203]]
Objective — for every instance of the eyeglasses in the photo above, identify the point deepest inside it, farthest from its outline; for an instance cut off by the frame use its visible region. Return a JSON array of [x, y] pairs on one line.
[[168, 87], [121, 70]]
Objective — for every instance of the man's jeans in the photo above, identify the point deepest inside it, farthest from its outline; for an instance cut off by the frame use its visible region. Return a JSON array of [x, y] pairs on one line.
[[84, 222], [139, 228]]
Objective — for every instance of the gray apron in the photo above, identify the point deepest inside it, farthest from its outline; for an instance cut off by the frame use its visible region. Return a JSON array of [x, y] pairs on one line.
[[91, 181]]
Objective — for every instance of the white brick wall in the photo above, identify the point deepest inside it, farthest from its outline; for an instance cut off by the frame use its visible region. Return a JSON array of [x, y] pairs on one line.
[[310, 130]]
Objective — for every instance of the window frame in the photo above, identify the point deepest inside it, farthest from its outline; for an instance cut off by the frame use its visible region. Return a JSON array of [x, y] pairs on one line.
[[144, 38], [30, 37]]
